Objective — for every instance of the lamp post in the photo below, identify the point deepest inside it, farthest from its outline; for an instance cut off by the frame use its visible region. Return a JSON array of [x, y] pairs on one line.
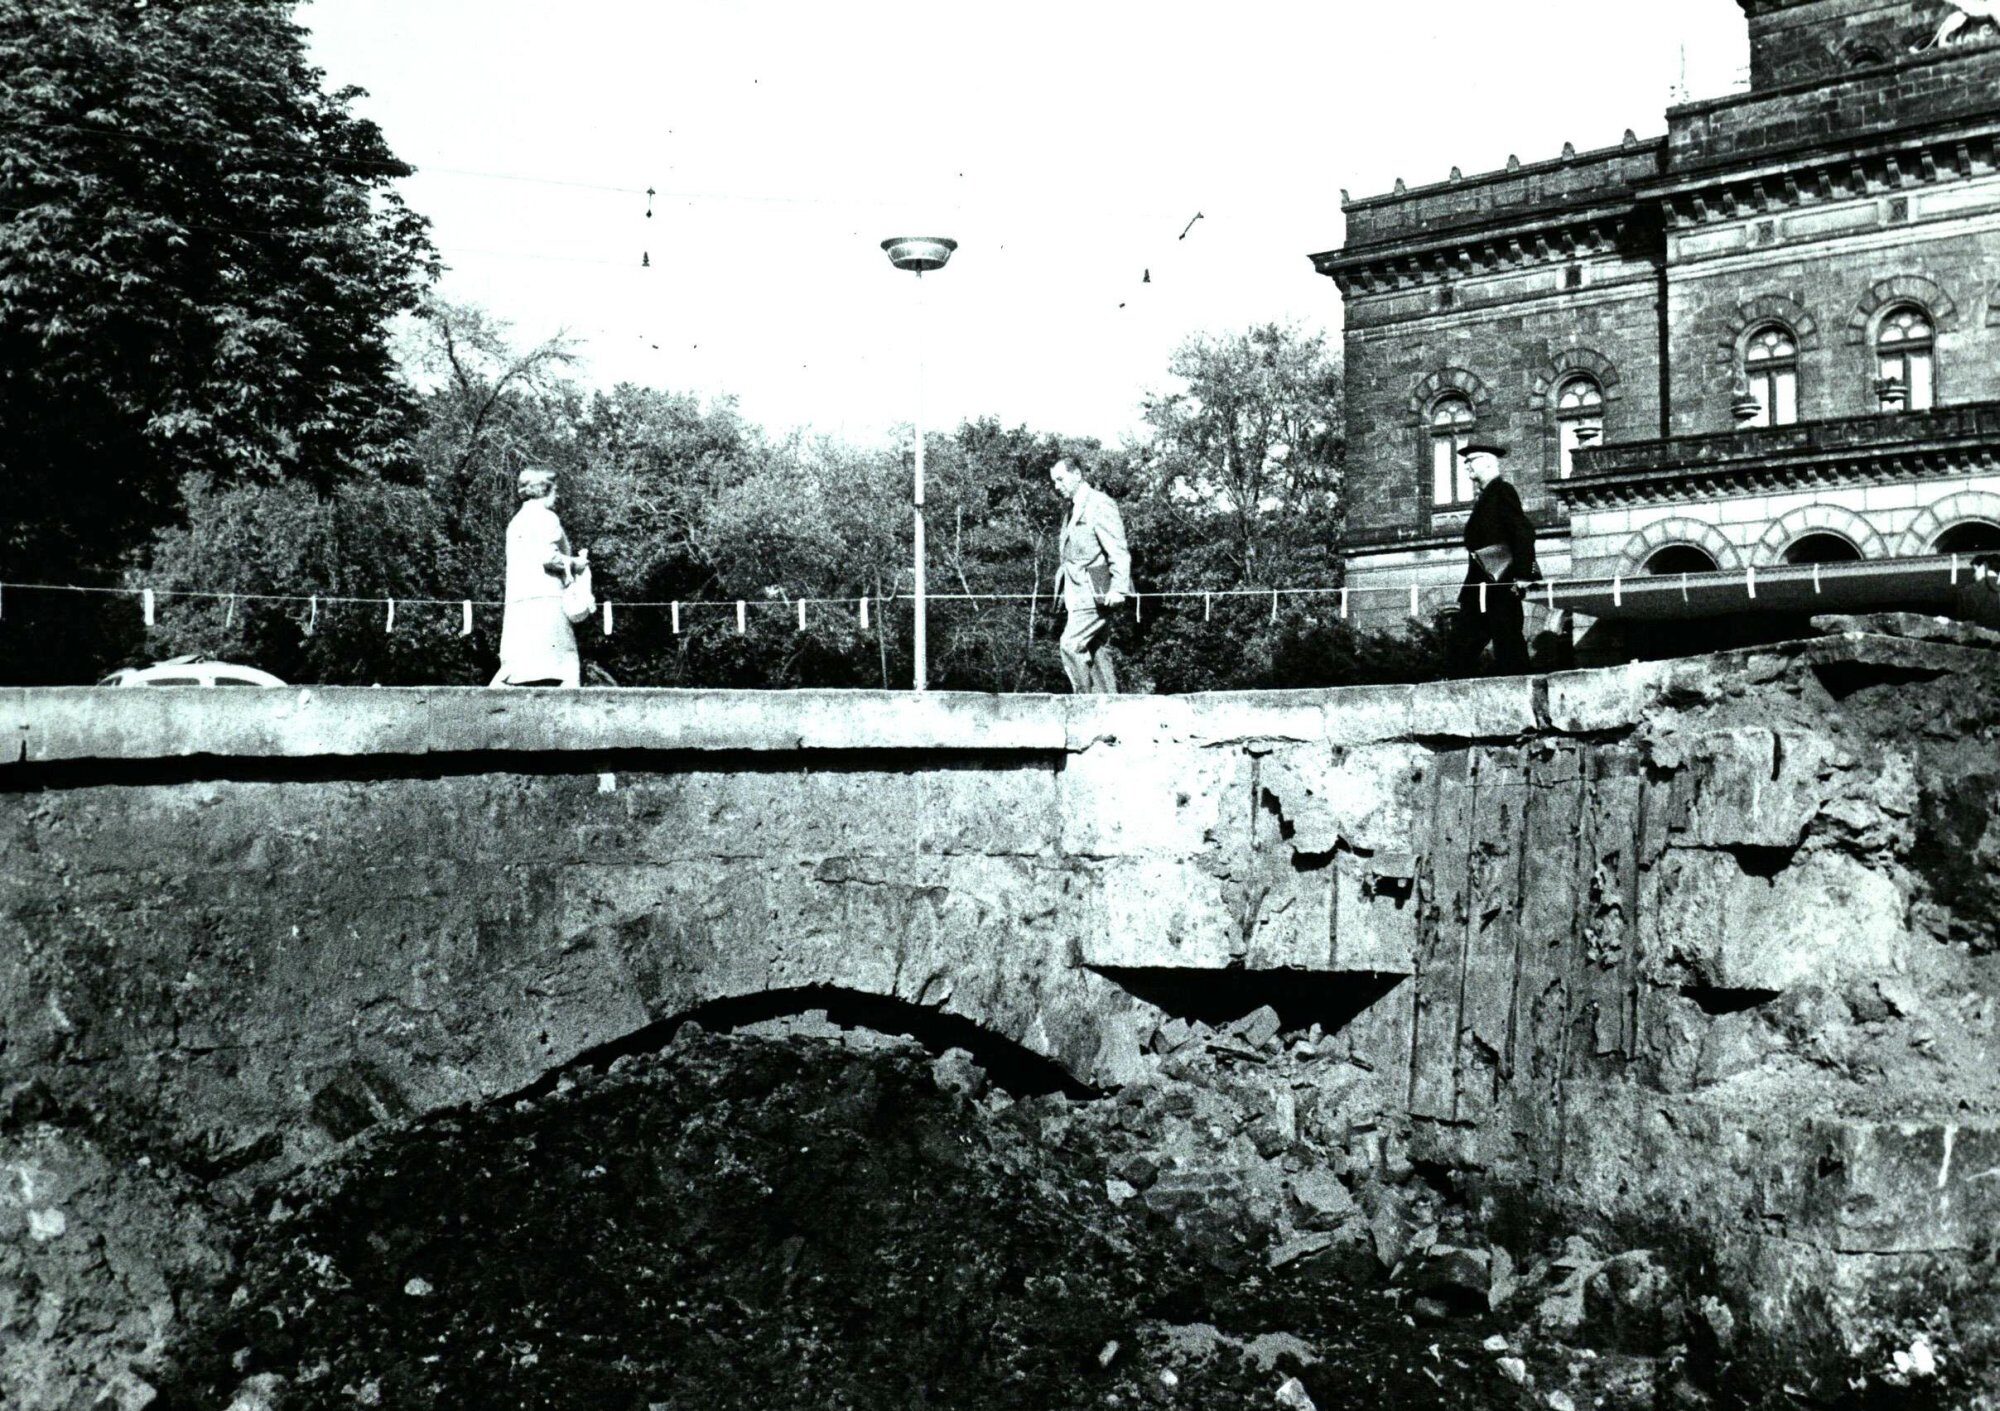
[[919, 253]]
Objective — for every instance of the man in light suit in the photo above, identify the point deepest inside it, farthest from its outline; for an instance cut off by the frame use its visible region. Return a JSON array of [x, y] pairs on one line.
[[1093, 574]]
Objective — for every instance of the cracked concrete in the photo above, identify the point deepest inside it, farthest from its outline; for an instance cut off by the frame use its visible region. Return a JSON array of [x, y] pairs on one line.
[[1692, 937]]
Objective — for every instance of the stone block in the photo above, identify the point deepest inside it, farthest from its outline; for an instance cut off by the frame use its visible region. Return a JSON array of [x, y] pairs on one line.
[[1375, 918], [1257, 718], [1595, 702], [931, 720], [1158, 912], [1747, 786], [1824, 920], [1909, 1187], [1362, 715], [1483, 709], [1141, 795]]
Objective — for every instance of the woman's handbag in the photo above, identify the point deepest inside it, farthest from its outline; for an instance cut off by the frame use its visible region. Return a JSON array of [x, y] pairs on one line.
[[579, 600]]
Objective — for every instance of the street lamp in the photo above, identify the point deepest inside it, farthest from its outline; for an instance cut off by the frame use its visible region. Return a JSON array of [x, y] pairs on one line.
[[919, 253]]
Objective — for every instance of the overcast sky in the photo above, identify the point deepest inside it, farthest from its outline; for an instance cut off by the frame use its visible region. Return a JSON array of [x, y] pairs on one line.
[[1064, 145]]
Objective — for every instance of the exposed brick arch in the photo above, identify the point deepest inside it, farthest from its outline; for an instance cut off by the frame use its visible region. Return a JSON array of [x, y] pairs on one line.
[[1754, 314], [1666, 533], [1821, 518], [1926, 293], [1966, 507], [1450, 379], [1566, 363]]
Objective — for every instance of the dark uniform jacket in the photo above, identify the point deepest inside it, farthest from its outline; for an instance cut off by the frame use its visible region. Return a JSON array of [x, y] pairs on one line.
[[1497, 518]]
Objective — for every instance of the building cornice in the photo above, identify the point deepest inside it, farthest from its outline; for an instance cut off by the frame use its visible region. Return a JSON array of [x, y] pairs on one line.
[[1548, 522], [1890, 164], [1867, 450], [1551, 238]]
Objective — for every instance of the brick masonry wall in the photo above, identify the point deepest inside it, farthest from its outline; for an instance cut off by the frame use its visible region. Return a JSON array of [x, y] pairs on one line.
[[1793, 42], [1517, 335], [1829, 271], [1530, 191], [1941, 85]]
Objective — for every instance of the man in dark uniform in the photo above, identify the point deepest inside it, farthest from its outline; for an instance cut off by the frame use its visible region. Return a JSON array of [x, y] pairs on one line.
[[1500, 548]]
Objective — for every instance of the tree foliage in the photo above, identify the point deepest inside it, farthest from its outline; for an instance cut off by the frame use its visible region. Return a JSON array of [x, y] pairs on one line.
[[200, 253], [1245, 457]]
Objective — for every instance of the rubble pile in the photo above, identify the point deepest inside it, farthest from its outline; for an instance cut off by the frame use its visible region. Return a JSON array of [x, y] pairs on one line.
[[797, 1220]]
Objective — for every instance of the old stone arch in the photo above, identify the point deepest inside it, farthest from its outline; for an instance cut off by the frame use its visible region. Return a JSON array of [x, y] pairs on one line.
[[1676, 532], [1926, 293], [1965, 508], [1008, 1062], [1753, 314], [1568, 362], [1450, 379], [1820, 518]]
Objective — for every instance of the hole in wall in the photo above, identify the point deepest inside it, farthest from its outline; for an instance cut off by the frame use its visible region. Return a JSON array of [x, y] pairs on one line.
[[1761, 861], [1302, 998], [1844, 678], [1720, 999]]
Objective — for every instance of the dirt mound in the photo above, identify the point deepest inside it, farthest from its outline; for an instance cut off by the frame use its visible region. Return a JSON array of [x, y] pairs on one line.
[[777, 1222]]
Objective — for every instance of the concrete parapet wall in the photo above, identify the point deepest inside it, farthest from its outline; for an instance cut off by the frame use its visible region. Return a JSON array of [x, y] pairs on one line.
[[1670, 902]]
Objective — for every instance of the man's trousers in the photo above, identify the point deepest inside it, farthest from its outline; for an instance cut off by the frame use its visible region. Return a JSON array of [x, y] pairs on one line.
[[1086, 652], [1499, 624]]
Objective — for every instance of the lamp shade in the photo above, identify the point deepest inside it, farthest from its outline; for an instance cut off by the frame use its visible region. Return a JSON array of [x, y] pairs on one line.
[[919, 252]]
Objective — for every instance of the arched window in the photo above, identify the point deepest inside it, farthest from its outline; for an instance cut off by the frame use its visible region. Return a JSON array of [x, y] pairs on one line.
[[1681, 558], [1906, 361], [1579, 417], [1821, 548], [1451, 427], [1771, 369], [1972, 536]]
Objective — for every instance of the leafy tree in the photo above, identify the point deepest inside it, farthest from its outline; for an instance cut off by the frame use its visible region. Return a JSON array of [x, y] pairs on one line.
[[1244, 458], [200, 252]]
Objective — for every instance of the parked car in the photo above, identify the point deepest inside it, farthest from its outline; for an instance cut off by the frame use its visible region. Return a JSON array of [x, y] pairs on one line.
[[191, 671]]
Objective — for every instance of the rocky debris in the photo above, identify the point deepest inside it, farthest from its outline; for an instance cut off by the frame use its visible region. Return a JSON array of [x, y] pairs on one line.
[[742, 1213], [1630, 1303], [1293, 1396], [1453, 1275], [263, 1392], [1323, 1199], [1257, 1029], [1913, 626], [1267, 1350], [1285, 1251], [958, 1071]]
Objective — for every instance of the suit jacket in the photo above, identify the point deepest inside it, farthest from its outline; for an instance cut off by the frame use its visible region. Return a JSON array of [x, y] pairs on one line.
[[1497, 518], [1093, 538]]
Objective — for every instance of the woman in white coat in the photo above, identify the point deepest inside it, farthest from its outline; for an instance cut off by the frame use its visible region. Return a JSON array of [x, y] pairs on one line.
[[537, 643]]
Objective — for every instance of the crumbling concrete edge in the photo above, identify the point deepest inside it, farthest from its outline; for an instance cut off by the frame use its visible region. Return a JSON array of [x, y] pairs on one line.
[[65, 724]]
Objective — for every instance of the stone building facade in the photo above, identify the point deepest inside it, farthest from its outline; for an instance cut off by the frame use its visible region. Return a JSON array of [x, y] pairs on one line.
[[1771, 336]]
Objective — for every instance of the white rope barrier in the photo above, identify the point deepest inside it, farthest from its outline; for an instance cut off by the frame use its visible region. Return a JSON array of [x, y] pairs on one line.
[[153, 600]]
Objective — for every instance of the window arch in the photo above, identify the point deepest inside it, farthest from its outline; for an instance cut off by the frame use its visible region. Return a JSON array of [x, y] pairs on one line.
[[1906, 360], [1579, 417], [1972, 536], [1451, 424], [1771, 374], [1822, 546], [1680, 558]]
